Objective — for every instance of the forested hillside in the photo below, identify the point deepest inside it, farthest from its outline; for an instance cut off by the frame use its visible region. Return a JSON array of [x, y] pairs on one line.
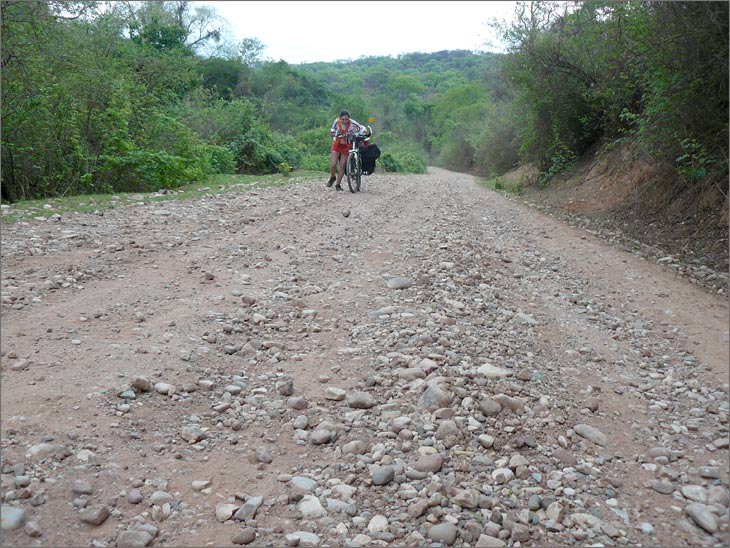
[[102, 97]]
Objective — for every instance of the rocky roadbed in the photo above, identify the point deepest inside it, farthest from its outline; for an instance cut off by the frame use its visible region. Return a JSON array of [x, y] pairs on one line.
[[424, 362]]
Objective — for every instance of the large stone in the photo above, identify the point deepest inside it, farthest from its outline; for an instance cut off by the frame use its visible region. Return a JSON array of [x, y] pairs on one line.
[[502, 475], [435, 397], [248, 510], [133, 539], [592, 434], [303, 485], [161, 497], [335, 394], [224, 511], [320, 436], [663, 487], [311, 508], [485, 541], [555, 512], [383, 475], [508, 402], [355, 447], [702, 516], [378, 524], [520, 533], [489, 407], [11, 517], [81, 487], [695, 493], [565, 456], [360, 400], [446, 429], [305, 539], [466, 498], [244, 536], [192, 434], [40, 450], [493, 372], [429, 463], [142, 384], [95, 515], [400, 282], [418, 508], [443, 532]]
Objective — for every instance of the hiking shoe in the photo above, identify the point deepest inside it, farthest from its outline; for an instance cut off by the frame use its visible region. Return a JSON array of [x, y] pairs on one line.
[[332, 180], [338, 187]]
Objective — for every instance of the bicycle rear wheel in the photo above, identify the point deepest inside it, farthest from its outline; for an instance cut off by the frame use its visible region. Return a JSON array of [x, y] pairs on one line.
[[351, 169]]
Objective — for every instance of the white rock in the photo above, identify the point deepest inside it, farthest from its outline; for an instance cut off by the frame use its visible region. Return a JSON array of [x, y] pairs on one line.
[[493, 372], [224, 511], [310, 507], [378, 524]]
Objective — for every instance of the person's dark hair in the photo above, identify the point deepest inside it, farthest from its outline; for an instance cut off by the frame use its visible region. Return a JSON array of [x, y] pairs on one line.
[[344, 113]]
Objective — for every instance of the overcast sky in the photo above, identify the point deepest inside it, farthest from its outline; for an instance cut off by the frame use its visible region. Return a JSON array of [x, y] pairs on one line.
[[300, 32]]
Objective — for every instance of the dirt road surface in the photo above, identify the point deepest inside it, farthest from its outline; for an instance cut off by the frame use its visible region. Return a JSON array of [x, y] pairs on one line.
[[425, 361]]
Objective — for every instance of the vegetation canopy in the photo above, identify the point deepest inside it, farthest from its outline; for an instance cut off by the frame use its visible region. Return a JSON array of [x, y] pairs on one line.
[[105, 97]]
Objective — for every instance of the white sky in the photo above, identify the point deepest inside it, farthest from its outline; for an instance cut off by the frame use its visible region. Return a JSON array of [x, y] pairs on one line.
[[300, 32]]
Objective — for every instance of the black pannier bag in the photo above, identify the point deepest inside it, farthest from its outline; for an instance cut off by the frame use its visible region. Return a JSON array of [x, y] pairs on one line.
[[369, 154]]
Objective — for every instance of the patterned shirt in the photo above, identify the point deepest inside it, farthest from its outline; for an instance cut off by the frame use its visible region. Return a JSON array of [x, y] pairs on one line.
[[350, 131]]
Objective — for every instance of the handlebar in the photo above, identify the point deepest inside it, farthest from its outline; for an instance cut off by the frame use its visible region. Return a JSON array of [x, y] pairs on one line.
[[363, 137]]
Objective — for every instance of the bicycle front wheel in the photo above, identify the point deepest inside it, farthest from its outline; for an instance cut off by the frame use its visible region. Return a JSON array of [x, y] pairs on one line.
[[358, 173], [353, 178]]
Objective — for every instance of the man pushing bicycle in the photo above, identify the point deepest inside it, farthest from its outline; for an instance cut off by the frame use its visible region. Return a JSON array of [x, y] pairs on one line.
[[343, 130]]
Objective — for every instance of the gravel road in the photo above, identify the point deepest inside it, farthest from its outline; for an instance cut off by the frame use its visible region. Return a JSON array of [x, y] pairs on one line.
[[423, 362]]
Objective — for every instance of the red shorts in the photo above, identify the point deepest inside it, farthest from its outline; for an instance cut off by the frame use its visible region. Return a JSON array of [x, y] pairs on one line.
[[341, 148]]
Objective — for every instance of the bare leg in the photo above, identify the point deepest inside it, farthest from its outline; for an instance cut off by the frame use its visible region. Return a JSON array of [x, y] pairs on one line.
[[333, 163], [343, 162]]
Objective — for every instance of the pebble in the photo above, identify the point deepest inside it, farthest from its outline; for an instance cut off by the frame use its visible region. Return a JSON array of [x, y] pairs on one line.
[[32, 529]]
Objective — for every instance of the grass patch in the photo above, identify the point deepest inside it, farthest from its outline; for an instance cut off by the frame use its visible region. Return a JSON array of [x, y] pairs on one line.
[[90, 203], [500, 184]]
